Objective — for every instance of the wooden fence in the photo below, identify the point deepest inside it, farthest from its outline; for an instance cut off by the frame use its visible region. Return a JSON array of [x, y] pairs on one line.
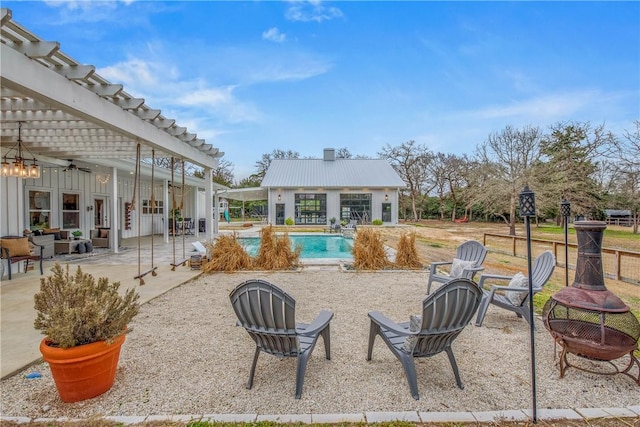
[[617, 264]]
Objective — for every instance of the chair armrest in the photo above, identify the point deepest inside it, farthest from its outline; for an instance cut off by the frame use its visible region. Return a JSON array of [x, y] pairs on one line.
[[319, 323], [492, 276], [439, 263], [495, 288], [41, 249], [5, 253], [381, 320], [511, 289], [470, 271], [434, 266]]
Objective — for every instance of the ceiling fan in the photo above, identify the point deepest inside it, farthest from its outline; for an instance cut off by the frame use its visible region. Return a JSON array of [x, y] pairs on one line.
[[73, 167]]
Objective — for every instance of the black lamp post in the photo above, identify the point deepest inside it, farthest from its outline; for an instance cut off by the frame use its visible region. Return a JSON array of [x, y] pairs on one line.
[[527, 210], [565, 210]]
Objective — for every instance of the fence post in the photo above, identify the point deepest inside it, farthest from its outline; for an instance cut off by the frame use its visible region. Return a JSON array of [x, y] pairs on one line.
[[618, 271], [513, 245]]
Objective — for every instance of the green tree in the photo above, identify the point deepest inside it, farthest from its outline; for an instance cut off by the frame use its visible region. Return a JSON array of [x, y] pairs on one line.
[[572, 151]]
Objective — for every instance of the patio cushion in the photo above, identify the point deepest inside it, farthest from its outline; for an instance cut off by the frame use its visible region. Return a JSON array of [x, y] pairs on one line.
[[415, 323], [104, 233], [82, 248], [517, 281], [17, 247], [458, 266], [89, 246]]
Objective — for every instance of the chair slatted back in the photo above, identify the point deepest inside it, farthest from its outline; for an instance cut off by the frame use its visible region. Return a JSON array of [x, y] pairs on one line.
[[542, 269], [445, 313], [268, 315], [472, 250]]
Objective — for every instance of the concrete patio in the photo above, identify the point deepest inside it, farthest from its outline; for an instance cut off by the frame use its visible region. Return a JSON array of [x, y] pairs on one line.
[[20, 340]]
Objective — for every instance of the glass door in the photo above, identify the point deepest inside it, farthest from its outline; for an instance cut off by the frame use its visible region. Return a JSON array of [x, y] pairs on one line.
[[100, 212], [279, 213]]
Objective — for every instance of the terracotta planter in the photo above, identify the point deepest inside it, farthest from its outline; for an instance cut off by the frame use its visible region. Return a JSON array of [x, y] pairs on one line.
[[84, 371]]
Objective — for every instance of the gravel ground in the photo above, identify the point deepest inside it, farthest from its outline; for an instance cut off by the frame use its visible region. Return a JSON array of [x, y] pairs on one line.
[[185, 356]]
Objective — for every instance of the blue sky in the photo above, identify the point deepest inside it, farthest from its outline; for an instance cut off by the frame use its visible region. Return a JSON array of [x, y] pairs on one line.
[[254, 76]]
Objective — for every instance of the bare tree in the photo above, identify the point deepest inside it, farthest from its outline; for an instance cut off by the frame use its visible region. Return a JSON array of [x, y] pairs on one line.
[[263, 164], [343, 153], [506, 159], [447, 173], [629, 172], [411, 161]]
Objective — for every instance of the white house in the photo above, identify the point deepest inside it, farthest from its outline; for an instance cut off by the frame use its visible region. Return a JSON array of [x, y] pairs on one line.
[[313, 191]]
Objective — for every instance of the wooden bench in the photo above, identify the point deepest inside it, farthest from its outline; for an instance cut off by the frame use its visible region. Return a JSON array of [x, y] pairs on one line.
[[16, 249]]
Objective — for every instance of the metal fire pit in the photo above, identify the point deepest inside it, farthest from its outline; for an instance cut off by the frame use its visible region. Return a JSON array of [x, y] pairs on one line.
[[588, 320]]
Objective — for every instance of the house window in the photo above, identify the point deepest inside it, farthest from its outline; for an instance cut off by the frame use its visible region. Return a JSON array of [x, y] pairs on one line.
[[70, 210], [39, 209], [311, 208], [148, 208], [355, 207]]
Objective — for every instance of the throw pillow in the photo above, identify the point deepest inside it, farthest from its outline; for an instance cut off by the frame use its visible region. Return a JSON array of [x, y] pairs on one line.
[[415, 323], [458, 266], [17, 247], [89, 246], [57, 236], [82, 248], [104, 233], [517, 281]]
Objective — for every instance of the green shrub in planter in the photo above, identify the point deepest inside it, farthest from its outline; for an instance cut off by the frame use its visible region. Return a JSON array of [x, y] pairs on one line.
[[73, 310], [288, 221], [376, 222]]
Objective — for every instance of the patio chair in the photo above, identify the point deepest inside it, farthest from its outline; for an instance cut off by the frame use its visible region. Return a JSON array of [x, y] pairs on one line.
[[188, 226], [269, 316], [16, 249], [468, 261], [516, 296], [445, 313]]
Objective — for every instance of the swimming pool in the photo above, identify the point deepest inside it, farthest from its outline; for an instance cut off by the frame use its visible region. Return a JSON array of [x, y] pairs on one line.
[[313, 246]]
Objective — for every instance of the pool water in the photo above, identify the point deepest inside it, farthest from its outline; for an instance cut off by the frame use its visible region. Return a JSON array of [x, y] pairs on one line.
[[320, 246]]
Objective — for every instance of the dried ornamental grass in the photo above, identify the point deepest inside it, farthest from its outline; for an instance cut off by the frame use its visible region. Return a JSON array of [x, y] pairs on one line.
[[368, 251], [227, 254], [406, 254], [275, 252], [74, 310]]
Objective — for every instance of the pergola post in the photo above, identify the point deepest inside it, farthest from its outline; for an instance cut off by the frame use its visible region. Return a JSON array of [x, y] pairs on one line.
[[208, 202], [115, 204]]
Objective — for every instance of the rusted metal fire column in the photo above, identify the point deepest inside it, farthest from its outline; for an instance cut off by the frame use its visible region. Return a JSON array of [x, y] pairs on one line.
[[588, 320]]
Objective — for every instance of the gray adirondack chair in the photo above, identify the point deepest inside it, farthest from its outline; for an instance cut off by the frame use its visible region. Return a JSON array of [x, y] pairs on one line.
[[268, 314], [541, 271], [470, 250], [445, 313]]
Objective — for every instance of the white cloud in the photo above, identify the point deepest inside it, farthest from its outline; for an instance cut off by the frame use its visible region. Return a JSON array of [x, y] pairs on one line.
[[161, 84], [541, 108], [312, 10], [274, 35]]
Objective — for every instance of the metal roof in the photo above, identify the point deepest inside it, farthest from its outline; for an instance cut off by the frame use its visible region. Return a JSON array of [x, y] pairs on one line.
[[245, 194], [71, 112], [339, 173]]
